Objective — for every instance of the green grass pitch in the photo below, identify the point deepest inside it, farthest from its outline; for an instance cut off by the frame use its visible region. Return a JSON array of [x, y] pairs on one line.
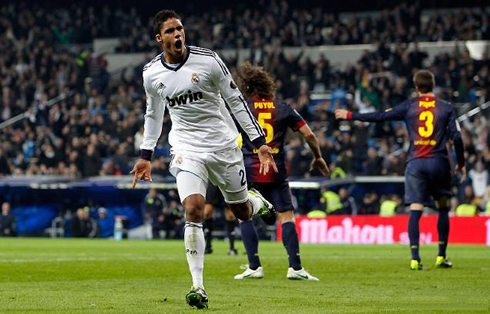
[[103, 276]]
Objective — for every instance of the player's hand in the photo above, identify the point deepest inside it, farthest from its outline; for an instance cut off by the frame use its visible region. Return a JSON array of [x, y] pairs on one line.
[[142, 171], [266, 159], [341, 114], [321, 165], [462, 172]]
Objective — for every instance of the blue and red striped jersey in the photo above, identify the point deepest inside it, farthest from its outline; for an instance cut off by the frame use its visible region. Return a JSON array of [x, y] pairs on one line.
[[275, 118], [430, 122]]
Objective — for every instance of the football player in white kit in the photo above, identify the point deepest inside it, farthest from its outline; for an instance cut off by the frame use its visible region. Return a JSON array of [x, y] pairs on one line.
[[194, 84]]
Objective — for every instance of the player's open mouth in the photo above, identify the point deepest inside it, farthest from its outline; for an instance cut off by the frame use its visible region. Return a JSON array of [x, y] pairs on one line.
[[178, 44]]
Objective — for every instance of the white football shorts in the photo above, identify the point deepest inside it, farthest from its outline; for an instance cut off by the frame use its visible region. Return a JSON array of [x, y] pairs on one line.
[[223, 168]]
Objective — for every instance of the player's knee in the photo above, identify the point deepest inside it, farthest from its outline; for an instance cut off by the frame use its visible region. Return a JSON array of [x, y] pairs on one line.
[[193, 212], [416, 206], [243, 216], [287, 216], [229, 215], [240, 211], [443, 203]]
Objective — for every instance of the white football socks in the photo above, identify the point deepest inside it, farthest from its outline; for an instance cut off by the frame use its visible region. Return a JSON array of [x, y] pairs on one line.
[[256, 204], [194, 248]]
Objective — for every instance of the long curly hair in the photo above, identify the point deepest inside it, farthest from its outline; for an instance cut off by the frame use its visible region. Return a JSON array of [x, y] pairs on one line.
[[254, 80]]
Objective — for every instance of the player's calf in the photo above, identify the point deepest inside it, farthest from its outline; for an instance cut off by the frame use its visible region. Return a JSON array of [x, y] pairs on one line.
[[413, 229]]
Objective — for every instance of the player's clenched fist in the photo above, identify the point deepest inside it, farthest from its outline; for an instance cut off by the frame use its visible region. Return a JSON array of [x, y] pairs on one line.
[[142, 171], [341, 114], [266, 159]]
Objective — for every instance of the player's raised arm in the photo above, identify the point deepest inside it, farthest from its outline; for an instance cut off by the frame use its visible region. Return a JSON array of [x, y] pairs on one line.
[[455, 135], [396, 113], [238, 106], [155, 108]]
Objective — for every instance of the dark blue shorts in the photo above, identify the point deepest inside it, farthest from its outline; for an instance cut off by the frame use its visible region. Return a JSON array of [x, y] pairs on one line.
[[427, 180], [278, 194]]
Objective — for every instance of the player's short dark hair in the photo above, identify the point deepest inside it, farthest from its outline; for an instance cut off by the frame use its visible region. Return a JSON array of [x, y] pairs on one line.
[[161, 17], [254, 80], [424, 80]]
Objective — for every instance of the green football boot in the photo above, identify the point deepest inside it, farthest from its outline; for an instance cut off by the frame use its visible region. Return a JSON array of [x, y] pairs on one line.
[[416, 265], [197, 297], [442, 262], [267, 212]]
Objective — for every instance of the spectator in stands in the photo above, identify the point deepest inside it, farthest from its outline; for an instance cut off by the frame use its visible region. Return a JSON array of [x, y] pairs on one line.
[[4, 165], [106, 223], [390, 205], [172, 220], [373, 165], [7, 222], [485, 205], [91, 162], [370, 204], [82, 226], [349, 206], [79, 224], [153, 206], [332, 202], [479, 179], [468, 205]]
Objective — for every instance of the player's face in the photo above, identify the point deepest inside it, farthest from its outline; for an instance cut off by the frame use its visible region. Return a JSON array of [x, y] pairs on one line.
[[172, 37]]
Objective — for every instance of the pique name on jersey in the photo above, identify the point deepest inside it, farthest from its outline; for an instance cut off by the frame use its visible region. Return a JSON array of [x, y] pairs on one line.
[[184, 98]]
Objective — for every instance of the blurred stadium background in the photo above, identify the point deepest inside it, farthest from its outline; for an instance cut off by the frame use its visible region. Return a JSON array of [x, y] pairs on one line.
[[72, 105]]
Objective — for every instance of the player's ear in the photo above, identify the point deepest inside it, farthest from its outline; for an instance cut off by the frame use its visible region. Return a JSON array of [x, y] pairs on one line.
[[158, 37]]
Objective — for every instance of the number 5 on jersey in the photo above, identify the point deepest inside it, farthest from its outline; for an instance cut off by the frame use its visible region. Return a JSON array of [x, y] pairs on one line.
[[269, 130]]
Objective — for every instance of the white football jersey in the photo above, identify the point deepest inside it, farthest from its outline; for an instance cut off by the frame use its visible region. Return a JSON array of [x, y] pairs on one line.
[[195, 93]]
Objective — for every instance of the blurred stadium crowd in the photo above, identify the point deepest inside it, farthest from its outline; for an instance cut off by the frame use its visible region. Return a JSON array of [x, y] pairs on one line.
[[98, 129]]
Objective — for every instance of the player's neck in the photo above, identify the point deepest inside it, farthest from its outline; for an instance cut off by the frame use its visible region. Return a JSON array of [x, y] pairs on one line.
[[256, 98], [426, 94], [174, 59]]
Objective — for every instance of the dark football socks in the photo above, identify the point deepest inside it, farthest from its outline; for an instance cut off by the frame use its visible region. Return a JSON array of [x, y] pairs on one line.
[[208, 231], [443, 230], [251, 243], [413, 233], [230, 233], [291, 243]]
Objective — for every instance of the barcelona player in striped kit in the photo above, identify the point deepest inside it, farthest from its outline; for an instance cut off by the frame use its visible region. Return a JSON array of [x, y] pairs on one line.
[[275, 118], [431, 123]]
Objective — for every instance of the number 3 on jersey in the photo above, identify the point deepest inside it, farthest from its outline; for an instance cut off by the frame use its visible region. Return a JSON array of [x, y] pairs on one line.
[[263, 116], [428, 129]]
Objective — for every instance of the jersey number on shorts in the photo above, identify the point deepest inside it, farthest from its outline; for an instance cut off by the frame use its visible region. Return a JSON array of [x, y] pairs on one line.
[[263, 116], [242, 175], [428, 129]]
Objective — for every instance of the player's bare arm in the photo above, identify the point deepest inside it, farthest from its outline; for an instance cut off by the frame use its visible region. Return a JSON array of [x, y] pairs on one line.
[[318, 161]]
